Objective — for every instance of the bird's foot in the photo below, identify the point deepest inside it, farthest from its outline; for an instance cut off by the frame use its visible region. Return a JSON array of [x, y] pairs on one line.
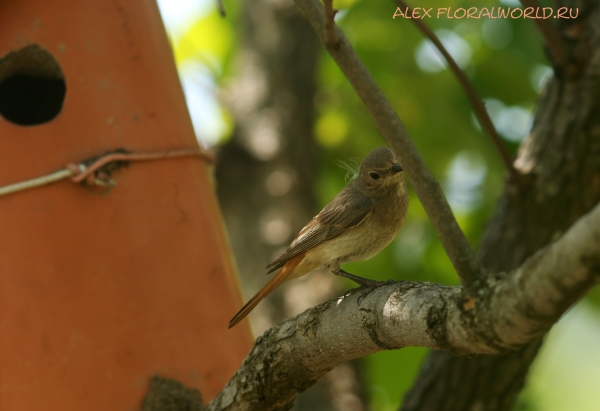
[[365, 284]]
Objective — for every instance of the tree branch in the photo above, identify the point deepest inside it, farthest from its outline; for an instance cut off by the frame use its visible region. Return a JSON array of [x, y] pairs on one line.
[[507, 313], [478, 107], [221, 8], [391, 128], [556, 46], [329, 35]]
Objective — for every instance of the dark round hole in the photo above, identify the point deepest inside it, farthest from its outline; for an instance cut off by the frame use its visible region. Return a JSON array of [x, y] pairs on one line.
[[32, 86], [27, 100]]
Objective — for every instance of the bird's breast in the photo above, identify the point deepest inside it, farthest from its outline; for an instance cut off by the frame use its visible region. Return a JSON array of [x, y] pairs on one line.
[[375, 232]]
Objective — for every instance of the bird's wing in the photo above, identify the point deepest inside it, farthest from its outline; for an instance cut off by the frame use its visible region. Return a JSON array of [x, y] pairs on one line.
[[347, 210]]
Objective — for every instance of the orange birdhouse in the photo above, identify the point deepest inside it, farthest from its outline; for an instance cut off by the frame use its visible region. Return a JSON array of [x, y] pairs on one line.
[[126, 274]]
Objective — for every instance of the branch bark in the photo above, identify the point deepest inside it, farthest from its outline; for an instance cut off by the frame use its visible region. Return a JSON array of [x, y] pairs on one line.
[[507, 313]]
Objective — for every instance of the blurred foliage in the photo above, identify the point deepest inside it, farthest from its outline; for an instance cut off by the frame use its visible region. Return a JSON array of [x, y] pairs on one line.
[[209, 41], [502, 62]]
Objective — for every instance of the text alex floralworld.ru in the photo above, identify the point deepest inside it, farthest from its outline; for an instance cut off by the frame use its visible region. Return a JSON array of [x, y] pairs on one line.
[[490, 13]]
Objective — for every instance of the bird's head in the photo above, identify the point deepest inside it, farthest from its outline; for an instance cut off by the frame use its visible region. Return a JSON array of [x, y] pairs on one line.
[[379, 173]]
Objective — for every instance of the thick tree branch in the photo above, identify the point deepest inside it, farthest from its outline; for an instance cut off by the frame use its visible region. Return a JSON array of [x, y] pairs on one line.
[[505, 314], [391, 128]]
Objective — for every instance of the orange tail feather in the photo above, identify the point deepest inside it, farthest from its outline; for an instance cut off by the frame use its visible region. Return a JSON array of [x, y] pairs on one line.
[[283, 274]]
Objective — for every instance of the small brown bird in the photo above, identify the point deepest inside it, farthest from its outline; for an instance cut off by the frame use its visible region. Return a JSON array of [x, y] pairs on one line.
[[358, 223]]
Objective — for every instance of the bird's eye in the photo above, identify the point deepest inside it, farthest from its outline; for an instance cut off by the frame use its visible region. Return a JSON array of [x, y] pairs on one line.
[[374, 176]]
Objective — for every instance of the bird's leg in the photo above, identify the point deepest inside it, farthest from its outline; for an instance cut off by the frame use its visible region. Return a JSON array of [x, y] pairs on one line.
[[365, 283]]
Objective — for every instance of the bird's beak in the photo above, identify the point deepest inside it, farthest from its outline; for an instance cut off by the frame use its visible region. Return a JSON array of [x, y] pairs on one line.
[[396, 168]]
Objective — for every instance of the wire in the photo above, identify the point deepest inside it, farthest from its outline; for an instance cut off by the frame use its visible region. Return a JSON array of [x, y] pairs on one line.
[[81, 172], [36, 182]]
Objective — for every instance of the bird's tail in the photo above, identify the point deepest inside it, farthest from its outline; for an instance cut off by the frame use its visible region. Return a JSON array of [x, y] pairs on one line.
[[282, 275]]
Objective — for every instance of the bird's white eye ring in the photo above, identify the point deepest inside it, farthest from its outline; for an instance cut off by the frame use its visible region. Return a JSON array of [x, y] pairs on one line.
[[374, 176]]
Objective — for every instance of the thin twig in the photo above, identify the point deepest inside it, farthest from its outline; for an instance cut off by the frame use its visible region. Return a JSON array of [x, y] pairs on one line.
[[391, 128], [555, 45], [221, 8], [330, 33], [478, 107]]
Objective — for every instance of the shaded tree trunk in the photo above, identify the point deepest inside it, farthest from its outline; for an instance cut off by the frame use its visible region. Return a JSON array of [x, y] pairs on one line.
[[562, 156]]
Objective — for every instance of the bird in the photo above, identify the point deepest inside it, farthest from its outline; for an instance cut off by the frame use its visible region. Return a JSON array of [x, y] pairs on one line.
[[358, 223]]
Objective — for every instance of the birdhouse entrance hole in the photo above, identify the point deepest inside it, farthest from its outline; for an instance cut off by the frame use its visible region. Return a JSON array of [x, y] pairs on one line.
[[32, 86]]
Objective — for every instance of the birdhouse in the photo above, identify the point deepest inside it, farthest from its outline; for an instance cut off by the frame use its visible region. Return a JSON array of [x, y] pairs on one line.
[[125, 275]]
